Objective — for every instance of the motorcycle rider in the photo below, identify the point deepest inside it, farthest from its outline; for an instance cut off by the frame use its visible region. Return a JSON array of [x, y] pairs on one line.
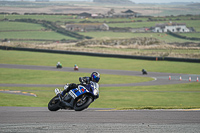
[[95, 77], [59, 64]]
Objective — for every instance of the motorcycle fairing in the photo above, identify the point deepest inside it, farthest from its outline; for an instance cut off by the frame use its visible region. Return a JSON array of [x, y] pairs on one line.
[[78, 91]]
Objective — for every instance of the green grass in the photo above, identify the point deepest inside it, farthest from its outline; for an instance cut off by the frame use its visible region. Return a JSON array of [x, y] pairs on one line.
[[67, 18], [189, 23], [50, 35], [20, 76], [52, 18], [140, 97], [196, 35], [19, 26], [134, 24], [152, 97], [23, 31], [42, 99], [47, 59], [64, 18]]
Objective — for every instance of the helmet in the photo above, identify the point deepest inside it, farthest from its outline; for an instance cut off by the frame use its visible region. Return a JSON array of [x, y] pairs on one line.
[[95, 76]]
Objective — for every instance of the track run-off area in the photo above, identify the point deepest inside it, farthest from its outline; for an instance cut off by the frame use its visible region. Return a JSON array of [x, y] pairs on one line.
[[40, 119]]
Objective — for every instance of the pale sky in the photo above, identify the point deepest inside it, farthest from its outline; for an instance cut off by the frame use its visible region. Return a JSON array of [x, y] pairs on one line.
[[144, 1], [136, 1]]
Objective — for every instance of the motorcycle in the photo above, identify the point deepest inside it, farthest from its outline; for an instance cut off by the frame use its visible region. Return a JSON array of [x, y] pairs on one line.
[[59, 66], [75, 68], [77, 99], [144, 72]]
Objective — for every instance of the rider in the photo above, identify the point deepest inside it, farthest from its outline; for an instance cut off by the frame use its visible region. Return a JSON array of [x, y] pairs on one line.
[[95, 77], [59, 64]]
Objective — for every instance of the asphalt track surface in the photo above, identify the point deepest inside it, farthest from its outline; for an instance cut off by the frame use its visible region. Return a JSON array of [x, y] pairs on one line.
[[39, 119]]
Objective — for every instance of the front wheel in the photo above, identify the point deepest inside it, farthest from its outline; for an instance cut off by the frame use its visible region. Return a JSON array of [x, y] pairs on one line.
[[53, 104], [82, 102]]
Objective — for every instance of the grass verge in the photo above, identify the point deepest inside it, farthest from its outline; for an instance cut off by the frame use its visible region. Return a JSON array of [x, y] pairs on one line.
[[21, 76], [48, 59], [140, 97], [150, 97], [182, 96]]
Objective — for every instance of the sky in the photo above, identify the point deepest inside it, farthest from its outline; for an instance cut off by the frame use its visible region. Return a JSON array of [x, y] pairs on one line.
[[136, 1]]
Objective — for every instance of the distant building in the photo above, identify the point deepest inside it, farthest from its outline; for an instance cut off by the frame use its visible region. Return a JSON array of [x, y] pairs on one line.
[[173, 27], [85, 15], [125, 14], [87, 27], [111, 14]]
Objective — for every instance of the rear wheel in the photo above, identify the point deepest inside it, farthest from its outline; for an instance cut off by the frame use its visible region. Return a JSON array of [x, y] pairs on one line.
[[54, 104], [82, 102]]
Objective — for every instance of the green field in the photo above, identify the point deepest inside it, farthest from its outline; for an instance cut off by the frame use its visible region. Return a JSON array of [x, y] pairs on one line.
[[139, 97], [52, 18], [19, 26], [20, 30], [134, 97], [184, 96], [54, 77], [48, 35], [47, 59], [189, 23]]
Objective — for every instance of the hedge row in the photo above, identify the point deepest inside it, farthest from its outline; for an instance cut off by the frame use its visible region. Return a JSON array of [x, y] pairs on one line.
[[54, 27], [183, 37]]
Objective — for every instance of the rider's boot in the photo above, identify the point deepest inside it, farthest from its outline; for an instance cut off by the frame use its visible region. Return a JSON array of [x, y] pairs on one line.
[[66, 87], [58, 93]]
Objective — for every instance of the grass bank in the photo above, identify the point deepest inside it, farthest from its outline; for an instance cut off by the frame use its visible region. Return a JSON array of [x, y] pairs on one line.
[[144, 97], [20, 76], [48, 59], [139, 97]]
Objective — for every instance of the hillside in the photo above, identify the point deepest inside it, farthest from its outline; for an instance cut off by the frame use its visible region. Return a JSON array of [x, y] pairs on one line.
[[195, 5], [114, 1]]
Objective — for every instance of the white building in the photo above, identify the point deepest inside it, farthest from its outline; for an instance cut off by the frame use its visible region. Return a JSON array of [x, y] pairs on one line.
[[173, 27]]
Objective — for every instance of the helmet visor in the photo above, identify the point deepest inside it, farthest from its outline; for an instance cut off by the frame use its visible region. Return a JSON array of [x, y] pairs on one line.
[[96, 79]]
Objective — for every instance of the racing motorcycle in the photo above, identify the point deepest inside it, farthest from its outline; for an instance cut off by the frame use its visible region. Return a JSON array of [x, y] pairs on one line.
[[76, 99], [59, 66]]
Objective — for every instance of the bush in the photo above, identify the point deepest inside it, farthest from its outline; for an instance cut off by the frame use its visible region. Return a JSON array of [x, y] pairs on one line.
[[183, 37], [54, 27]]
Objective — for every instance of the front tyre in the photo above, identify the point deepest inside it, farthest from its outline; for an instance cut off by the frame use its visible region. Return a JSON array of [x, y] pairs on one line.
[[82, 103], [53, 104]]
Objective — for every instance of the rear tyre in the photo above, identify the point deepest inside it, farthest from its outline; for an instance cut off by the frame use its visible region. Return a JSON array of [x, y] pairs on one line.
[[53, 104], [82, 103]]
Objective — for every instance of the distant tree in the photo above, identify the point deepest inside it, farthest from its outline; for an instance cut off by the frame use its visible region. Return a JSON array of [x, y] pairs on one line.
[[114, 1], [112, 11]]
